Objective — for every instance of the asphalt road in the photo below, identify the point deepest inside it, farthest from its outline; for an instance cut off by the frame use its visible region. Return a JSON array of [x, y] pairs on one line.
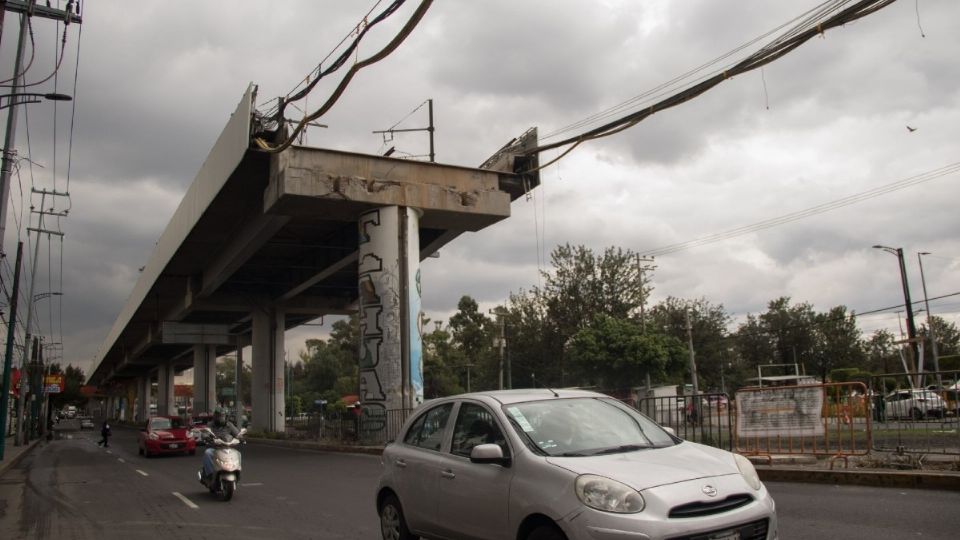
[[73, 489]]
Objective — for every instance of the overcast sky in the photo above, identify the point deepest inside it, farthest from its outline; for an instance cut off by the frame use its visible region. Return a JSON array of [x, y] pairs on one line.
[[158, 80]]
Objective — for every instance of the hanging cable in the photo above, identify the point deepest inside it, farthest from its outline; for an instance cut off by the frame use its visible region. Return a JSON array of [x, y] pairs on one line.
[[33, 50], [776, 49], [342, 59], [383, 53]]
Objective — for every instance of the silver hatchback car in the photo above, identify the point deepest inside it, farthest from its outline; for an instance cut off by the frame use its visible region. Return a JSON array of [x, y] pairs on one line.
[[565, 464]]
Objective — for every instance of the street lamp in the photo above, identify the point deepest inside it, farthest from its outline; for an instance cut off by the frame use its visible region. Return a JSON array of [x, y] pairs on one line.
[[930, 330], [33, 98], [911, 327]]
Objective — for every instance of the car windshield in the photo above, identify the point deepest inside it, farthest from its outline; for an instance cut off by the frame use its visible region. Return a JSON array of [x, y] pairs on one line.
[[165, 423], [585, 427]]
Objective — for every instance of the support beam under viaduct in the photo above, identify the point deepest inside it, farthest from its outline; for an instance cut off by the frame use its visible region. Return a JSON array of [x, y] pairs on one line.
[[262, 243]]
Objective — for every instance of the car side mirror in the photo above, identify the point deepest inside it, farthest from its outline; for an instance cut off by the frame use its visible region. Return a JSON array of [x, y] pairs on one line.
[[670, 430], [489, 453]]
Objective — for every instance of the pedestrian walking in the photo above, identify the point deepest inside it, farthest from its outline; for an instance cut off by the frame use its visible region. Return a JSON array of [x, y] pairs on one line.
[[104, 435]]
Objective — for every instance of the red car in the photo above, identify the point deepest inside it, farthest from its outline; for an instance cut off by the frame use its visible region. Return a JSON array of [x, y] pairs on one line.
[[166, 435]]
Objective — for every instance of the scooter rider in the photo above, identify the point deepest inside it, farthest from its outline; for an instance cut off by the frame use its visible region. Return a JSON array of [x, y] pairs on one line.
[[222, 429]]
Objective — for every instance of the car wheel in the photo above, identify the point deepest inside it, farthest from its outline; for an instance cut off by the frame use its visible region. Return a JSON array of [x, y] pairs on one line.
[[546, 532], [392, 524], [193, 452], [140, 451], [917, 414]]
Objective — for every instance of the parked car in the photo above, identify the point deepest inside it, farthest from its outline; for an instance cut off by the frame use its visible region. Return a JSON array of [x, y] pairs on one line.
[[565, 464], [916, 404], [165, 435], [86, 423]]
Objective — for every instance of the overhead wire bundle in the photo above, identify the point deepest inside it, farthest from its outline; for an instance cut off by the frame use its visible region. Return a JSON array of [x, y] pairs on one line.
[[816, 22], [407, 29]]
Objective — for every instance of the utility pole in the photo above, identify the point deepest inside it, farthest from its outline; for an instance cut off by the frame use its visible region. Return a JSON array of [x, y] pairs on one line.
[[26, 9], [33, 275], [8, 356], [932, 333], [500, 342], [693, 362], [641, 270]]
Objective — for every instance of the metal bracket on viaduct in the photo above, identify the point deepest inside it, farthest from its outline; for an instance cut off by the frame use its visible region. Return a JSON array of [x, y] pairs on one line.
[[262, 243]]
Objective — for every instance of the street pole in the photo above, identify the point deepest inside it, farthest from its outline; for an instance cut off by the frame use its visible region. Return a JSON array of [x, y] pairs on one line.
[[642, 270], [11, 134], [932, 333], [693, 362], [27, 326], [8, 356], [911, 326]]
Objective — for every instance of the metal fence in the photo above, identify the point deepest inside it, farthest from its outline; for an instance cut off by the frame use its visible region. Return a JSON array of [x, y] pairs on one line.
[[916, 414], [830, 419], [347, 427], [706, 421]]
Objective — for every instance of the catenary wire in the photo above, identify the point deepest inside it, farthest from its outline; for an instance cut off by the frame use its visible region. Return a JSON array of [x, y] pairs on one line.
[[774, 50], [819, 209]]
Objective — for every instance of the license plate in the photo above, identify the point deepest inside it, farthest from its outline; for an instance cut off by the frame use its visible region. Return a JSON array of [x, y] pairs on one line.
[[726, 535], [177, 446]]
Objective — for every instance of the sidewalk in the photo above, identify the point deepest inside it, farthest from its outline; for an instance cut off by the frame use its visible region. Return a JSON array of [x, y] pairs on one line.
[[13, 454]]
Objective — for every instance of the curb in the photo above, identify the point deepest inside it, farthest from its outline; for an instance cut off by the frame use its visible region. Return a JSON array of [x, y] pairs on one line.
[[893, 479], [11, 462]]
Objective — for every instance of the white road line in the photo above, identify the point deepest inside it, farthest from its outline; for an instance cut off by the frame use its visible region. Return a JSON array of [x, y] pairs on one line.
[[185, 500], [120, 459], [143, 473], [109, 452]]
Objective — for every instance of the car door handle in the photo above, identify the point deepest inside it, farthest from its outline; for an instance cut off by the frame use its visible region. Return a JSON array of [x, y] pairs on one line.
[[401, 463], [448, 474]]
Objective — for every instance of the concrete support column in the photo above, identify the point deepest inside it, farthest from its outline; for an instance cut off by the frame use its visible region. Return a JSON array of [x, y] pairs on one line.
[[166, 405], [391, 368], [144, 385], [268, 356], [110, 407], [204, 378]]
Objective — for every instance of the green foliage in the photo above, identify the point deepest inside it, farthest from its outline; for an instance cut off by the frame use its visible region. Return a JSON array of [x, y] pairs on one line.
[[616, 353]]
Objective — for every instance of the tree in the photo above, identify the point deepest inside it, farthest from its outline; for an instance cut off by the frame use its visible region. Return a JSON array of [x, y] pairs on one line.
[[948, 337], [880, 354], [708, 324], [583, 285], [784, 334], [227, 376], [838, 342], [442, 364], [472, 334], [616, 353]]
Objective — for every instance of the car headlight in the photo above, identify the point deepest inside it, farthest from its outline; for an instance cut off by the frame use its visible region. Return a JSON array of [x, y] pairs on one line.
[[608, 495], [153, 436], [748, 471]]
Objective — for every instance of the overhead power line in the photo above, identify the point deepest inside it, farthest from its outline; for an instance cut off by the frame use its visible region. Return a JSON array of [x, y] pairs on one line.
[[823, 18], [335, 96], [819, 209]]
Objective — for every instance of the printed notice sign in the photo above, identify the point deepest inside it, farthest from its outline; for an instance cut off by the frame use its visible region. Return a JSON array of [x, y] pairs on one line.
[[789, 410]]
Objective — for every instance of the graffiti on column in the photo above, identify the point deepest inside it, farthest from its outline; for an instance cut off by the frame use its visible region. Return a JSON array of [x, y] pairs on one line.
[[379, 315]]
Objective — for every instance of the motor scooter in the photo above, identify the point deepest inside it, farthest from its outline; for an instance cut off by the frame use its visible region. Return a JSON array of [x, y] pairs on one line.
[[226, 465]]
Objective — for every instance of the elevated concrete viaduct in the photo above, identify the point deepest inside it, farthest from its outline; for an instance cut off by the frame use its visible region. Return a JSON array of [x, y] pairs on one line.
[[262, 243]]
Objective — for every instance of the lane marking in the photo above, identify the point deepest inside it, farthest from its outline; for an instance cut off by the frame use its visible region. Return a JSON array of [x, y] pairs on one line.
[[143, 473], [110, 452], [185, 500], [120, 459]]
